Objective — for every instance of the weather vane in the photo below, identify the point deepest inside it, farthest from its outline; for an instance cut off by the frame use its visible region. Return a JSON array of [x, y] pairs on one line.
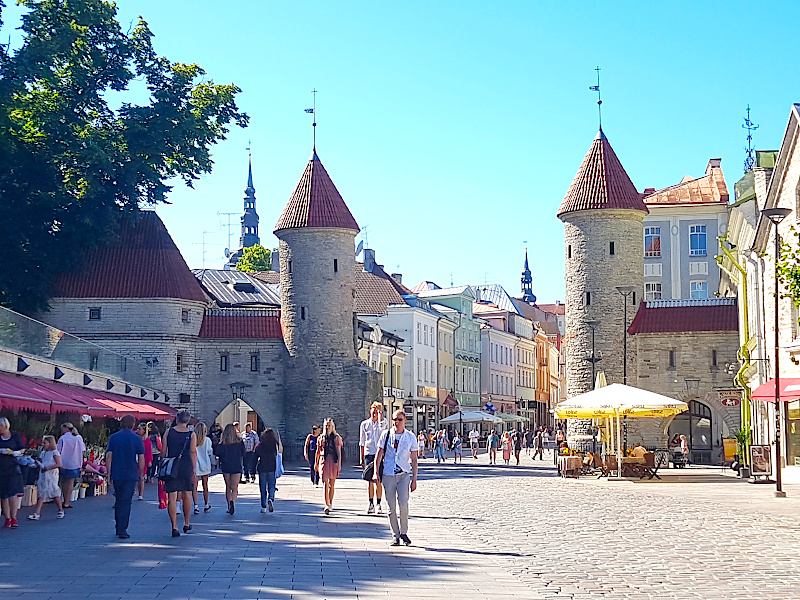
[[749, 161], [313, 111], [596, 88]]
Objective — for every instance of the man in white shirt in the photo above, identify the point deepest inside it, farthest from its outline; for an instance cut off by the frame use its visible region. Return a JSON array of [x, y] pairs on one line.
[[250, 439], [399, 473], [474, 436], [368, 435]]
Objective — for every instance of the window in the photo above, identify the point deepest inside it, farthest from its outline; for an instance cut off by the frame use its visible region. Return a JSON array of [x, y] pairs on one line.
[[419, 369], [94, 358], [714, 359], [335, 265], [303, 313], [699, 290], [185, 315], [652, 291], [425, 370], [255, 359], [223, 362], [425, 334], [611, 248], [588, 299], [569, 251], [671, 359], [652, 241], [290, 266], [653, 269], [179, 363], [94, 314], [419, 333], [697, 240]]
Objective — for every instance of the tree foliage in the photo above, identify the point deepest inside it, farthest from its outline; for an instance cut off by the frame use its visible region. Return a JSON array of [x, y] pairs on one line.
[[789, 267], [72, 166], [254, 259]]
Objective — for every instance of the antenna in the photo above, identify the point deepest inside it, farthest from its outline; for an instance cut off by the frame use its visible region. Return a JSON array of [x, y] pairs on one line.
[[228, 224], [366, 235], [451, 279], [204, 246], [749, 161], [596, 88]]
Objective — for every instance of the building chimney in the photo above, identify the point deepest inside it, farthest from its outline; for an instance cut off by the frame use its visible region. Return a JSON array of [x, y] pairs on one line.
[[369, 260], [712, 164], [398, 277]]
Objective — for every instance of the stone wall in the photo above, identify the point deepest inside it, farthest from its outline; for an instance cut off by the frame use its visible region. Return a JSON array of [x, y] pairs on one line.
[[590, 268]]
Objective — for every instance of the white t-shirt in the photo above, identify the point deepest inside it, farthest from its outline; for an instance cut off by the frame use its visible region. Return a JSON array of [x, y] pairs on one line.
[[71, 448], [369, 433], [204, 453], [398, 451], [474, 436]]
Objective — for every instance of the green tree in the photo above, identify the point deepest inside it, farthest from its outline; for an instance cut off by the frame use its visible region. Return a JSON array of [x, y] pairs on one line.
[[254, 259], [72, 167], [789, 266]]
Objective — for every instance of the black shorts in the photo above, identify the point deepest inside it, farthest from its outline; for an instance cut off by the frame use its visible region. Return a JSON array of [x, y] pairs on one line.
[[369, 467]]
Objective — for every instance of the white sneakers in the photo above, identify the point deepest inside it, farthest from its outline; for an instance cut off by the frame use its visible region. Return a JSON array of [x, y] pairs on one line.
[[263, 510], [328, 509]]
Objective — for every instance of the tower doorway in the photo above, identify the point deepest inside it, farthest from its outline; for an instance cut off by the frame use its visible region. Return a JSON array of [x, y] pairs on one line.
[[696, 424]]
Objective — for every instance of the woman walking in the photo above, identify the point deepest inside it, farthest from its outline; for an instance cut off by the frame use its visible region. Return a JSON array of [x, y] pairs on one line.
[[10, 474], [155, 449], [517, 439], [310, 453], [441, 447], [71, 447], [204, 454], [457, 449], [143, 430], [421, 444], [230, 452], [329, 460], [506, 448], [47, 486], [180, 443], [266, 462]]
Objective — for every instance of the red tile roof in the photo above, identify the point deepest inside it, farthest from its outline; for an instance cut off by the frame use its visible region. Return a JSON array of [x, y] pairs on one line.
[[708, 189], [241, 324], [268, 276], [316, 202], [601, 182], [145, 263], [376, 291], [679, 316], [555, 309]]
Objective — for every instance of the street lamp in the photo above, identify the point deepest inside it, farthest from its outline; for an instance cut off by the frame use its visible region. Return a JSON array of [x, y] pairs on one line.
[[237, 390], [776, 215], [594, 357], [625, 290]]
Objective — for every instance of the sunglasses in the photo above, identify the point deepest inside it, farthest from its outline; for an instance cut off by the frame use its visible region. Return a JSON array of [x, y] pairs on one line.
[[398, 419]]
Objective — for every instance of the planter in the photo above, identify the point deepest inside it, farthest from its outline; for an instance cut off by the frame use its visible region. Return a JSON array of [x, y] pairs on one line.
[[744, 472], [82, 492], [75, 495]]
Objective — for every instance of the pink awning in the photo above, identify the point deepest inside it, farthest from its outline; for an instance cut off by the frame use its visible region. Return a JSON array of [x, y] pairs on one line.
[[790, 390]]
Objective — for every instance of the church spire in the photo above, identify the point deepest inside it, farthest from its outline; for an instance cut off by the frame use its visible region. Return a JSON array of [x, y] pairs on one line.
[[527, 282], [249, 235]]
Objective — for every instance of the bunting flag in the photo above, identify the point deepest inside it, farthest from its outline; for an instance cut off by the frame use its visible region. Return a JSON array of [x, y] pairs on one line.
[[309, 110]]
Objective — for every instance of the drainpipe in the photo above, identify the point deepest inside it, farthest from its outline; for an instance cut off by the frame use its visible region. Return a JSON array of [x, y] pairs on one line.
[[744, 352], [436, 414], [391, 375]]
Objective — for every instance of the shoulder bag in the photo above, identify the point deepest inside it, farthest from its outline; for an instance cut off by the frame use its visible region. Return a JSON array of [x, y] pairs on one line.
[[383, 456], [169, 468]]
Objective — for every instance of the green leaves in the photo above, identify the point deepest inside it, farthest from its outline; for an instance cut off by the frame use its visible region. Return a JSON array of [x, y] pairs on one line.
[[254, 259], [71, 167]]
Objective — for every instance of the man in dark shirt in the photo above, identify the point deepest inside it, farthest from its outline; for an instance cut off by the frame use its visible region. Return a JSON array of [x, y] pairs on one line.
[[125, 463]]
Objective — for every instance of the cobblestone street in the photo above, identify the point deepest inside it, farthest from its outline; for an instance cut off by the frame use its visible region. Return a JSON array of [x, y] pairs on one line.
[[478, 531]]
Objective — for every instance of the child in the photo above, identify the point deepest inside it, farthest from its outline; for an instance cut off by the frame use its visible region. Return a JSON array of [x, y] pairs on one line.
[[47, 487], [457, 456]]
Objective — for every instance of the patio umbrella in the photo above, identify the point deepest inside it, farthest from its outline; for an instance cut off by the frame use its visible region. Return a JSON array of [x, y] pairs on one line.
[[471, 416], [616, 400]]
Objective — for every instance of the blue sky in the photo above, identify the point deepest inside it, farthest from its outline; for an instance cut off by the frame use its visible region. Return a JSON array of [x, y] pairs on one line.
[[453, 129]]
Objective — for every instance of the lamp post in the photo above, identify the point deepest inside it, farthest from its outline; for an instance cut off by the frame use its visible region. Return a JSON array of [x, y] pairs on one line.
[[594, 357], [625, 290], [776, 215]]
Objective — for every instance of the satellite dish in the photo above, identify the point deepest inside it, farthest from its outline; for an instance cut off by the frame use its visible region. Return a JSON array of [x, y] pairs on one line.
[[227, 252], [360, 247]]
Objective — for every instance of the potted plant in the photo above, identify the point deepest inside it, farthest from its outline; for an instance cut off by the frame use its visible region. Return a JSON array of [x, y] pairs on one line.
[[742, 436]]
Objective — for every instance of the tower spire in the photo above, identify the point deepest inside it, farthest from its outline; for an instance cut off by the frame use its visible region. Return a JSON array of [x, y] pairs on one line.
[[749, 161], [596, 88], [313, 111], [527, 281]]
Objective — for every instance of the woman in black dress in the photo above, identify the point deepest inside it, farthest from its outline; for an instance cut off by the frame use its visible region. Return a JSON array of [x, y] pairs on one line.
[[179, 440], [10, 474], [230, 452]]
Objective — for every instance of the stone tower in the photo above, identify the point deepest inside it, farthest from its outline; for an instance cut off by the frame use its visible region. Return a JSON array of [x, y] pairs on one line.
[[324, 377], [249, 230], [603, 237], [527, 282]]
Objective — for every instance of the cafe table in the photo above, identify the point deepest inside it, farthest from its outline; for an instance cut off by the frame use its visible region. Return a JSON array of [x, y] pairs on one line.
[[570, 466]]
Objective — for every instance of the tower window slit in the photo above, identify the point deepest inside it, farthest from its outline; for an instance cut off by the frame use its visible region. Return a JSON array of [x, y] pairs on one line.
[[335, 265], [303, 312], [611, 248]]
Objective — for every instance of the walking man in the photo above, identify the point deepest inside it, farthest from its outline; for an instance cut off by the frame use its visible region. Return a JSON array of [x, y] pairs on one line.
[[125, 464], [398, 449], [492, 442], [250, 440], [474, 436], [538, 446], [368, 436]]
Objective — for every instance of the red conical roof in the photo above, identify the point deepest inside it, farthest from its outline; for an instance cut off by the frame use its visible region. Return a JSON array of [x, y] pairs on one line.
[[601, 182], [316, 202]]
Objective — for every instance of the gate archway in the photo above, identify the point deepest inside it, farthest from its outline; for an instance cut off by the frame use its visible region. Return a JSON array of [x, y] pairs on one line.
[[697, 425]]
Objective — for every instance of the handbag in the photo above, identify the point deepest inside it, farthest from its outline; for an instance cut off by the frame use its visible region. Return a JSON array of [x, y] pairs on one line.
[[168, 468], [278, 465], [383, 457]]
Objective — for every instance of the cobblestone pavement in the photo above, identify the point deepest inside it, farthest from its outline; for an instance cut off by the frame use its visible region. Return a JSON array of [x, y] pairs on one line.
[[478, 531]]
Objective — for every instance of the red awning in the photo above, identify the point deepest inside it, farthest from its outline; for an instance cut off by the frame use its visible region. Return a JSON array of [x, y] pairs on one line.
[[28, 393], [790, 390]]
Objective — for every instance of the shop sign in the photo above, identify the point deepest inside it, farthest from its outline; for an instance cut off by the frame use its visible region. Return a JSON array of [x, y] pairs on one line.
[[424, 391], [730, 398], [760, 460]]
